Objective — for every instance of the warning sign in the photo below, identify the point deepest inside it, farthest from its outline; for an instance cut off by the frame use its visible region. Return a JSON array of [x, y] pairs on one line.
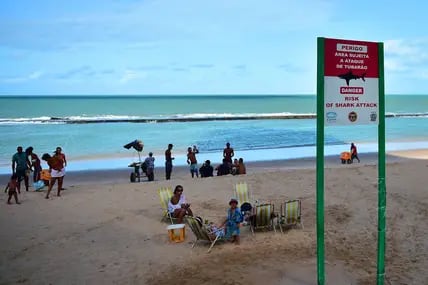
[[351, 82]]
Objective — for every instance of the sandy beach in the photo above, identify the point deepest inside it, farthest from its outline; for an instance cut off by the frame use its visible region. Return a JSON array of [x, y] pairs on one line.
[[106, 230]]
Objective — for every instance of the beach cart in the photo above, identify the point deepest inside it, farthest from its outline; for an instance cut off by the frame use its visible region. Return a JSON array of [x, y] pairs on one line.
[[345, 157], [136, 175]]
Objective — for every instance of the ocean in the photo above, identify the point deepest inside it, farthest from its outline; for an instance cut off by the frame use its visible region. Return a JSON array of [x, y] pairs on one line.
[[92, 130]]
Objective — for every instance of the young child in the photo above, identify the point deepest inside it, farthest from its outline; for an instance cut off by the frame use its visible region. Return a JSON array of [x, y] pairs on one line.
[[233, 221], [12, 186]]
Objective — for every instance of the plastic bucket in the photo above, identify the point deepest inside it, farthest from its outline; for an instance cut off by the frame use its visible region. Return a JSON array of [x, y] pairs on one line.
[[176, 233]]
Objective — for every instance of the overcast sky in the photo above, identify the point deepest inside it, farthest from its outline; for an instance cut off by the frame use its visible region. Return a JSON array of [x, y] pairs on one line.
[[199, 47]]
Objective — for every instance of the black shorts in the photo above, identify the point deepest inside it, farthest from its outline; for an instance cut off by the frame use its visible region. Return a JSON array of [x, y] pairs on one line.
[[21, 174]]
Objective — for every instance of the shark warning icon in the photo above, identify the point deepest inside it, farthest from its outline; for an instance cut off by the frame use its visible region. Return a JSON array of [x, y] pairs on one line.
[[349, 76]]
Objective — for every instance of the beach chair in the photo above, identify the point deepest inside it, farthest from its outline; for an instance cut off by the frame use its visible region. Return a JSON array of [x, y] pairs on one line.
[[242, 194], [202, 234], [165, 195], [291, 214], [263, 217]]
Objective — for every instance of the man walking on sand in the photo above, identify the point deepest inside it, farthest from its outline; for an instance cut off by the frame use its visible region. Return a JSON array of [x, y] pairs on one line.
[[168, 162]]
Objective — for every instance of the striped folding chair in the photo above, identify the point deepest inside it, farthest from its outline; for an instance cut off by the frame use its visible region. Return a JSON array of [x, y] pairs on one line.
[[291, 214], [242, 194], [263, 217], [201, 233], [165, 195]]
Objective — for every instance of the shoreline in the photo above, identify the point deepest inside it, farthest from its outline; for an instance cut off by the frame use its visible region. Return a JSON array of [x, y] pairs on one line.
[[121, 161], [122, 175]]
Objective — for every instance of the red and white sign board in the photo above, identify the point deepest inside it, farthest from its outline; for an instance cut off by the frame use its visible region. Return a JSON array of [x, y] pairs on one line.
[[351, 82]]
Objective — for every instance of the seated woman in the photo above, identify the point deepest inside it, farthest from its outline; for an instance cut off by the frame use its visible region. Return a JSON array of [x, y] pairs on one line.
[[177, 205], [241, 168]]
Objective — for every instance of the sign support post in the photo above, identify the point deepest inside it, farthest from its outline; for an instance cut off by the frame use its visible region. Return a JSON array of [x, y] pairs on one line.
[[320, 163], [381, 174]]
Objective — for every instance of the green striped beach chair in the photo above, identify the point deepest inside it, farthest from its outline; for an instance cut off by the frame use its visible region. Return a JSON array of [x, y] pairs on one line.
[[263, 217], [165, 195], [291, 214], [202, 234]]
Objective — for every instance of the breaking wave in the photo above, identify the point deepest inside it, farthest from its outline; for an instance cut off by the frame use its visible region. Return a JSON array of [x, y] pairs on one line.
[[195, 117]]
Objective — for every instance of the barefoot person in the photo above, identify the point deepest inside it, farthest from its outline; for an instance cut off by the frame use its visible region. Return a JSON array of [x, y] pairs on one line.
[[178, 206], [168, 162], [191, 160], [12, 187], [35, 163], [20, 165], [228, 153], [56, 168], [354, 153], [233, 221], [58, 152]]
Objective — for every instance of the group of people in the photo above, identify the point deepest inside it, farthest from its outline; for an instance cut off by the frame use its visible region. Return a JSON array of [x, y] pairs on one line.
[[23, 163], [178, 207], [206, 170]]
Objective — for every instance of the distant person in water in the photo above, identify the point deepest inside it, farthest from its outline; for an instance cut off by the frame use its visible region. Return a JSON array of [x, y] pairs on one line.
[[354, 153], [228, 153]]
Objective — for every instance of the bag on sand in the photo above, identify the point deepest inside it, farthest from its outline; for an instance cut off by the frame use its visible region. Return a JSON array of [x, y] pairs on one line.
[[38, 185]]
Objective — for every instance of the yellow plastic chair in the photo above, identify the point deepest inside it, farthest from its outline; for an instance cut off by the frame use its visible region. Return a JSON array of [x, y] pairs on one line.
[[291, 214]]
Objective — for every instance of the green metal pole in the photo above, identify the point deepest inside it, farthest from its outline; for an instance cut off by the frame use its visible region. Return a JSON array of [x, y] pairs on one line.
[[320, 162], [381, 173]]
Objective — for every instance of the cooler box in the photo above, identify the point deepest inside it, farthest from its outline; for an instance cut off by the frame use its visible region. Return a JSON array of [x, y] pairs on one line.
[[176, 233]]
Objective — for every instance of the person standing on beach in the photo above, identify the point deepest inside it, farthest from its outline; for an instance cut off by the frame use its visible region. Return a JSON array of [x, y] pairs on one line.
[[20, 165], [35, 163], [12, 186], [56, 168], [191, 159], [58, 152], [168, 162], [150, 163], [354, 153], [228, 153]]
